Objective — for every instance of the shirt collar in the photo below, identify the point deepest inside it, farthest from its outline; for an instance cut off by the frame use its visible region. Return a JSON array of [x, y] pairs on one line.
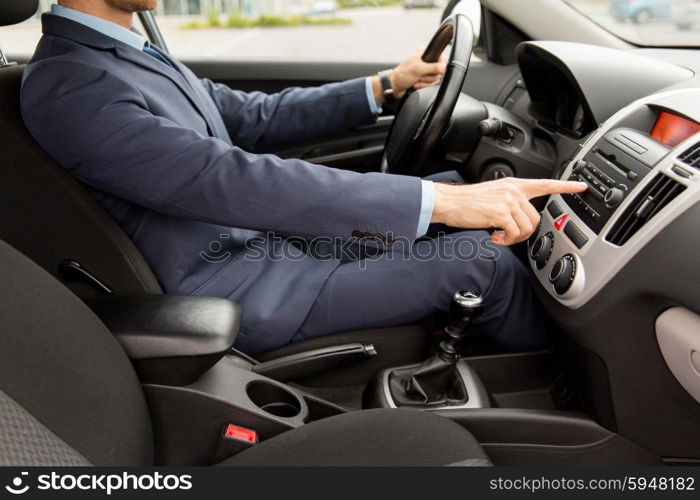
[[105, 27]]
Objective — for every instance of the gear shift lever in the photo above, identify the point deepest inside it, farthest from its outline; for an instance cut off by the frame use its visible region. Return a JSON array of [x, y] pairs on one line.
[[465, 307], [437, 382]]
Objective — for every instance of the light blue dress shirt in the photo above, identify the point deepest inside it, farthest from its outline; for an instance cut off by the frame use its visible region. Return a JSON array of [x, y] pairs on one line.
[[138, 42], [105, 27]]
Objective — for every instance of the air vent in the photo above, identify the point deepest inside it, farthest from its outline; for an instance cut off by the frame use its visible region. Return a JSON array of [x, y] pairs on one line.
[[661, 191], [691, 156]]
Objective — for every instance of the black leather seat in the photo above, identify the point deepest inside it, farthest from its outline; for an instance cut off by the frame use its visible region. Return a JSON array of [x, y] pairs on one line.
[[48, 216], [69, 396]]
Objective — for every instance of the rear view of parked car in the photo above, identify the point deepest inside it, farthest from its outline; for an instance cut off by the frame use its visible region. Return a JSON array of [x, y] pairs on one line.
[[640, 11], [685, 13], [415, 4]]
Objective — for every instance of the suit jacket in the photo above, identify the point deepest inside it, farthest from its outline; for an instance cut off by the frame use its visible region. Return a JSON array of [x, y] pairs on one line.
[[168, 155]]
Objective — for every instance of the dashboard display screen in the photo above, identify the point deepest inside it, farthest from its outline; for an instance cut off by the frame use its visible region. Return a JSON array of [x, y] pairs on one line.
[[672, 129]]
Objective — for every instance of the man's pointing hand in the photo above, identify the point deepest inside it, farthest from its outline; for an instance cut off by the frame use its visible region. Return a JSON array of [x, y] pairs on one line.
[[503, 204]]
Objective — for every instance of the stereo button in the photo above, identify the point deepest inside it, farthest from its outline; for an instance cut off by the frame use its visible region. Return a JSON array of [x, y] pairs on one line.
[[575, 235], [554, 209], [596, 194], [608, 180]]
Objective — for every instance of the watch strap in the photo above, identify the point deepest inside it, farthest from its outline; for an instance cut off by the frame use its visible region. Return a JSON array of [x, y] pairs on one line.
[[387, 89]]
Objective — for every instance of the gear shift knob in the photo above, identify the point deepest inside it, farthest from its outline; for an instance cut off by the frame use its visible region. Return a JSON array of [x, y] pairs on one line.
[[465, 307]]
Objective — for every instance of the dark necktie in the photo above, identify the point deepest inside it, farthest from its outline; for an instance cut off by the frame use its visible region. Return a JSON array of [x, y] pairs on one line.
[[152, 51]]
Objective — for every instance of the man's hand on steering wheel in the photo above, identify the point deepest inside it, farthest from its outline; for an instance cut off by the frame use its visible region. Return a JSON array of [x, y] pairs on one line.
[[411, 73]]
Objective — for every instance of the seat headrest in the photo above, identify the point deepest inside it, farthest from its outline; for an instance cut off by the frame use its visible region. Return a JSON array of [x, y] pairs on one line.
[[16, 11]]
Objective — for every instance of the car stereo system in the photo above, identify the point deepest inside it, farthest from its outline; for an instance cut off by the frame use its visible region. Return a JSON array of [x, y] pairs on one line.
[[611, 174], [641, 175]]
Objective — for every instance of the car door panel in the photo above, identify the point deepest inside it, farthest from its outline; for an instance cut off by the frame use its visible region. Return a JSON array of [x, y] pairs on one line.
[[359, 149], [484, 82]]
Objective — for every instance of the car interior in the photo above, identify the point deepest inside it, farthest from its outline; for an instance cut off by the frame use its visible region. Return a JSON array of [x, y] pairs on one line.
[[108, 370]]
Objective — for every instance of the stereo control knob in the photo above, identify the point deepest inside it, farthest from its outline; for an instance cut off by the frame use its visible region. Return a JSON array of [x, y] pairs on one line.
[[614, 197], [563, 273], [533, 237], [579, 166], [542, 249]]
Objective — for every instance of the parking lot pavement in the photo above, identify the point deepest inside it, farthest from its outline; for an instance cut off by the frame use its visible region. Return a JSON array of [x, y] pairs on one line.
[[376, 34]]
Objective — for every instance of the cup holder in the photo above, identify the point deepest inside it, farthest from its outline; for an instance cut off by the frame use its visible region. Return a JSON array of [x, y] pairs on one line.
[[274, 399]]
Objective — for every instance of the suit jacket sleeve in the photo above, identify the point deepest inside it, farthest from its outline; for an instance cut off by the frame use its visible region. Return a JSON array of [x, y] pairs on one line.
[[99, 128], [256, 121]]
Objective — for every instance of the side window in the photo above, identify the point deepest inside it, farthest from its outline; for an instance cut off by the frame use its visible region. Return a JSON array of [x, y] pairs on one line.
[[383, 31], [329, 30], [19, 41], [673, 23]]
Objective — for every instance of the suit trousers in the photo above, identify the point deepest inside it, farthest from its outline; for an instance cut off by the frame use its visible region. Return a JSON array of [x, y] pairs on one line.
[[388, 288]]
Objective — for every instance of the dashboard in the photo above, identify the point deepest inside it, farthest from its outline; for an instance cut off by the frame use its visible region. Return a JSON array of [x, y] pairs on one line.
[[574, 87], [629, 126], [556, 101], [615, 268], [642, 167]]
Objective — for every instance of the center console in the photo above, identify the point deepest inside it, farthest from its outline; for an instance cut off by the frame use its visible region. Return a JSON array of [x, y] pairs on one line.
[[641, 168], [208, 402]]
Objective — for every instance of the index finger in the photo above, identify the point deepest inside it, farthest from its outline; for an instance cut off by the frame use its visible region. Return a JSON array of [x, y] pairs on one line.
[[532, 188]]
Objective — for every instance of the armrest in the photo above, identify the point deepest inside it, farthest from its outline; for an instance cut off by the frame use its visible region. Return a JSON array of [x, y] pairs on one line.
[[171, 340]]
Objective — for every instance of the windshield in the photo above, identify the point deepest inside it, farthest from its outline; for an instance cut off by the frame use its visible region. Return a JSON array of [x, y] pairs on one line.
[[646, 22]]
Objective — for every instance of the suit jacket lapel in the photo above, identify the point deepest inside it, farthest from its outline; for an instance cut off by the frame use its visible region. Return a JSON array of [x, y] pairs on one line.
[[65, 28], [206, 100], [152, 64]]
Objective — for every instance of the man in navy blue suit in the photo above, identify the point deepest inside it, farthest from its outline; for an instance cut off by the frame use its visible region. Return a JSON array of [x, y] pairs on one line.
[[174, 159]]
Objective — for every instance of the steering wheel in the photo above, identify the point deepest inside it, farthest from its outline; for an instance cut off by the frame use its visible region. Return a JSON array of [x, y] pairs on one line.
[[424, 114]]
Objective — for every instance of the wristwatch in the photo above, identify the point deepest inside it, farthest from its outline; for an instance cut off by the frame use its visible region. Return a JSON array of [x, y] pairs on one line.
[[387, 89]]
